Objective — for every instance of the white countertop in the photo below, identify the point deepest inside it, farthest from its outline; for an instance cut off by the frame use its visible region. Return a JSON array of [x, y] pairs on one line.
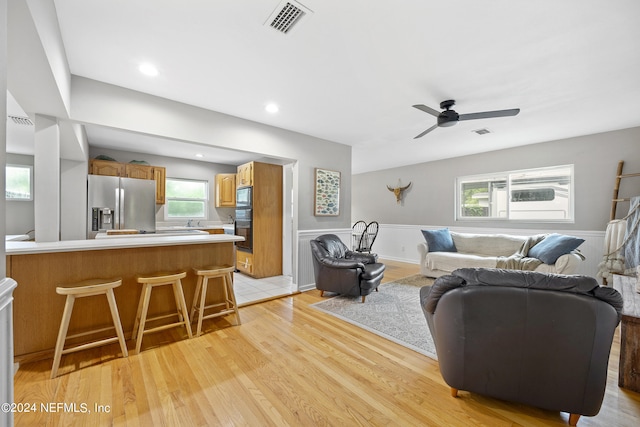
[[24, 248], [16, 237]]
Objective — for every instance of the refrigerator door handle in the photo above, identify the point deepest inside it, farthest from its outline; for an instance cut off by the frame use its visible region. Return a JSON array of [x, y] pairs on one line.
[[118, 209]]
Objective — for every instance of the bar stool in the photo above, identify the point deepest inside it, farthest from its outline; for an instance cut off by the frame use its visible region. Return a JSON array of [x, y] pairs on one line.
[[230, 305], [148, 283], [87, 288]]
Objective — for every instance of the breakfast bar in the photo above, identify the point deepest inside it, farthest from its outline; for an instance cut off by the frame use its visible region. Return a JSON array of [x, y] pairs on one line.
[[39, 268]]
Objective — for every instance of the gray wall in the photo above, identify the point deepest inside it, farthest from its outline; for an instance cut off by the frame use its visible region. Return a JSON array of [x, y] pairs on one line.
[[430, 200], [19, 214], [107, 105]]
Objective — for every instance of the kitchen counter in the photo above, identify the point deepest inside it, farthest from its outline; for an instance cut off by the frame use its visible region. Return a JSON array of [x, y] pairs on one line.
[[126, 241], [39, 267]]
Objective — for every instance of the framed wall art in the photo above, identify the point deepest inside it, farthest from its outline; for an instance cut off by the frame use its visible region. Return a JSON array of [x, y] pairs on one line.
[[327, 193]]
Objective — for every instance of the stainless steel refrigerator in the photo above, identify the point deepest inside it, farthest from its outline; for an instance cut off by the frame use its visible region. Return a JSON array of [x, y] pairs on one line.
[[116, 203]]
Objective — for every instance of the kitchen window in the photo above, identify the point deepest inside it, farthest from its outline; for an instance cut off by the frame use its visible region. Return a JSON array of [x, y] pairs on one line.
[[543, 194], [186, 198], [19, 182]]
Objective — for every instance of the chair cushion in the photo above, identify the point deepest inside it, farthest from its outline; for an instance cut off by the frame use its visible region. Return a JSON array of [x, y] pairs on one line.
[[439, 240], [553, 247], [487, 244]]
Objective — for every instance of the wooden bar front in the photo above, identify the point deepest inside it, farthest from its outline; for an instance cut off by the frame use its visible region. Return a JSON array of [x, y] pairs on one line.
[[38, 308]]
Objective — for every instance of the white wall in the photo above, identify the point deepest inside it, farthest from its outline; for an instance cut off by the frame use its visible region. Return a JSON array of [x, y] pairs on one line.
[[6, 285]]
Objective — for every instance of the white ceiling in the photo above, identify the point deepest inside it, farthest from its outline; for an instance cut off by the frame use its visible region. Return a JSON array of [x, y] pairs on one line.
[[350, 71]]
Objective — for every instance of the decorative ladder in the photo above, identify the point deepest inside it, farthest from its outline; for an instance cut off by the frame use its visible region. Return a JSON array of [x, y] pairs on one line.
[[616, 189]]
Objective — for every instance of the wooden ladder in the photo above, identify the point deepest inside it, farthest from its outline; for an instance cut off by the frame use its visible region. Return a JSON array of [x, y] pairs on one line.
[[616, 189]]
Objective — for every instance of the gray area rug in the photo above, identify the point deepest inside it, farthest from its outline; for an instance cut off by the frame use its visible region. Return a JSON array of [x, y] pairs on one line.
[[393, 312]]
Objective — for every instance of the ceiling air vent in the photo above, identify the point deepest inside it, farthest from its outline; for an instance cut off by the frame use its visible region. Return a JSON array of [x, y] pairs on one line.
[[286, 15], [25, 121], [482, 131]]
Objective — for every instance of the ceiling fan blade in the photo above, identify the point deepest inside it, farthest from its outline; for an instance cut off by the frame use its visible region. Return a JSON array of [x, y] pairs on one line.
[[426, 131], [489, 114], [426, 109]]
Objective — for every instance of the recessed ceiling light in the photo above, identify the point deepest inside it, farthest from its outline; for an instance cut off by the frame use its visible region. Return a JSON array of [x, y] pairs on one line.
[[272, 108], [148, 69], [199, 155]]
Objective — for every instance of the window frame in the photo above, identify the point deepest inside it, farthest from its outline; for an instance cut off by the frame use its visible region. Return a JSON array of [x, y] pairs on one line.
[[15, 199], [508, 178], [204, 200]]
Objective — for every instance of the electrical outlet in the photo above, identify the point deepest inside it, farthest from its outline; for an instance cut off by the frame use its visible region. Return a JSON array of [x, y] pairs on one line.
[[402, 248]]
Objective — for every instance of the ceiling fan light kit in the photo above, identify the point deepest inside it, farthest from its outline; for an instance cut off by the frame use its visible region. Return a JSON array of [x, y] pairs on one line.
[[450, 117]]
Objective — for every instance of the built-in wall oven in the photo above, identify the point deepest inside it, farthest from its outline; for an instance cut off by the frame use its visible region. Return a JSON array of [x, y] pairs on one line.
[[244, 216]]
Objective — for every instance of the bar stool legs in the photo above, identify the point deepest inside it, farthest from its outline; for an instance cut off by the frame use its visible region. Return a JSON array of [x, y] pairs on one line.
[[230, 305], [85, 289], [148, 283]]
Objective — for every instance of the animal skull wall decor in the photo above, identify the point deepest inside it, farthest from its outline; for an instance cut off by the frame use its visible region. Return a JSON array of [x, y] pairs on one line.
[[398, 191]]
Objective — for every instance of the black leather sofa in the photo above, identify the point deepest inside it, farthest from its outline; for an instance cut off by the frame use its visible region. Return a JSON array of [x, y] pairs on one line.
[[533, 338]]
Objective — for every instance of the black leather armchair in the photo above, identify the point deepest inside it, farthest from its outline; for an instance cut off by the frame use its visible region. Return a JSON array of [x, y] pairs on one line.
[[539, 339], [338, 269]]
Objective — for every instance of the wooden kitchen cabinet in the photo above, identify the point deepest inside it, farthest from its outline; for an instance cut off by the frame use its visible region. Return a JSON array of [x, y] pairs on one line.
[[106, 167], [244, 262], [265, 259], [245, 175], [135, 170], [132, 170], [226, 190], [160, 175]]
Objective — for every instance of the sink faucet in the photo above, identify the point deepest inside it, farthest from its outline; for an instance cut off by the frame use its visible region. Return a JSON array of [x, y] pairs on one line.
[[189, 223]]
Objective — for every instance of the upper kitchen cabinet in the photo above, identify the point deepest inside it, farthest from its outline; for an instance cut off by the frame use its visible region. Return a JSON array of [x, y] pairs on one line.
[[132, 170], [106, 167], [245, 175], [135, 170], [160, 175], [225, 190]]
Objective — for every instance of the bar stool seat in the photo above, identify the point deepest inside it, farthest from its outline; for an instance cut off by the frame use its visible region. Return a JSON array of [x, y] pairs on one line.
[[148, 283], [87, 288], [229, 304]]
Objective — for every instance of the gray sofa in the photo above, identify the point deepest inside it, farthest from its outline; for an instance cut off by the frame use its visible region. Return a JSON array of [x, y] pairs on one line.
[[533, 338]]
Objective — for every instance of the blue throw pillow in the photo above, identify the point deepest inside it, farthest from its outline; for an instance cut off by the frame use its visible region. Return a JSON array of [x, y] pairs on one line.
[[553, 247], [439, 240]]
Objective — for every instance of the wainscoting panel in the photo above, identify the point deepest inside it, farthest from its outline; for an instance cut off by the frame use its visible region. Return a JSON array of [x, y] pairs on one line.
[[306, 279], [400, 242]]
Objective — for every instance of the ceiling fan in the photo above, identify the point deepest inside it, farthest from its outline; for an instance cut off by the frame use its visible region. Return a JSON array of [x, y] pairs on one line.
[[449, 117]]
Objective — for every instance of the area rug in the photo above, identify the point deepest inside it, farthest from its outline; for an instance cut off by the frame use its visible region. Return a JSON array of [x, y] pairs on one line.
[[393, 312]]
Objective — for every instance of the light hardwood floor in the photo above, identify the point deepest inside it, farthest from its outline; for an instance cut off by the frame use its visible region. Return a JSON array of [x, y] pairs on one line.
[[286, 365]]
